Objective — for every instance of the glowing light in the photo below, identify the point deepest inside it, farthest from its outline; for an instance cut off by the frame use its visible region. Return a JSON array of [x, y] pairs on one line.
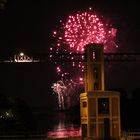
[[80, 79], [21, 54], [90, 8]]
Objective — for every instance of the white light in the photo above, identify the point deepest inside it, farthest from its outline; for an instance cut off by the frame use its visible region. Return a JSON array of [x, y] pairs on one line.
[[81, 79], [21, 54]]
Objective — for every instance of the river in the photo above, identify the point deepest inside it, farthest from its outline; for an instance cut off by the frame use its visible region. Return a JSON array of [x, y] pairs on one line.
[[59, 124]]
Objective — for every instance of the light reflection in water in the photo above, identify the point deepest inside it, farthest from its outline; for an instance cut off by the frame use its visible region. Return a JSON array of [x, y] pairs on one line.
[[64, 131]]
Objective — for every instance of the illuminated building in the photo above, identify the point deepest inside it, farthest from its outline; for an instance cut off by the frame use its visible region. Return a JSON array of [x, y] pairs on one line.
[[100, 109], [21, 57]]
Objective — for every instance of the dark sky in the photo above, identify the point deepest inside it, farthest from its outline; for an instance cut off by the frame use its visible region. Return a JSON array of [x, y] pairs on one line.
[[28, 24]]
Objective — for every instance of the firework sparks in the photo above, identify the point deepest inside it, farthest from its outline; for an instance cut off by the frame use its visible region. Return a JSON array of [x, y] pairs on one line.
[[60, 88], [79, 30], [67, 91]]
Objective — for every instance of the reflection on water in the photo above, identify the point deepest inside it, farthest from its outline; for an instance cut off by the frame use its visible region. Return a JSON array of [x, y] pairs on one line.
[[63, 130], [60, 125]]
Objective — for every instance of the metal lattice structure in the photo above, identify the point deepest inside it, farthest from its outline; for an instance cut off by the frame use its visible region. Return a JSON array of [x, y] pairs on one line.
[[122, 57], [46, 57]]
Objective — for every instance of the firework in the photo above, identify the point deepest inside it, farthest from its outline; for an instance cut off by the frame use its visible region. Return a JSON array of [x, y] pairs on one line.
[[73, 35], [67, 92], [60, 88], [81, 29]]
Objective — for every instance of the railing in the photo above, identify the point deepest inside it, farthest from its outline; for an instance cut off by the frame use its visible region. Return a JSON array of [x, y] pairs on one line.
[[131, 135], [31, 136], [21, 135]]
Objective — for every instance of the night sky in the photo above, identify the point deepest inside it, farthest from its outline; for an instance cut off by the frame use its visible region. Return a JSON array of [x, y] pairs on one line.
[[27, 25]]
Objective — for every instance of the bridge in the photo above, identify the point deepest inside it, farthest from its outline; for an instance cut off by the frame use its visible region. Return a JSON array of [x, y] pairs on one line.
[[65, 57]]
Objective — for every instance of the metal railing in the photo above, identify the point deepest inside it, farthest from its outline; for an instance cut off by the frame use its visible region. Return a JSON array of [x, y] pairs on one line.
[[131, 135], [31, 135]]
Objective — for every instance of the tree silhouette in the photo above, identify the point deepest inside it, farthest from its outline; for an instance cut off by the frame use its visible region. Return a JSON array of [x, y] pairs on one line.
[[14, 111]]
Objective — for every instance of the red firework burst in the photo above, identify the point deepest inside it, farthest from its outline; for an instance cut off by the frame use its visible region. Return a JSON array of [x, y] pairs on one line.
[[84, 28], [73, 35]]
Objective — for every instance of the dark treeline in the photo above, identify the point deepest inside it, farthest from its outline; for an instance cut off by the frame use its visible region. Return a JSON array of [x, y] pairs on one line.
[[15, 114]]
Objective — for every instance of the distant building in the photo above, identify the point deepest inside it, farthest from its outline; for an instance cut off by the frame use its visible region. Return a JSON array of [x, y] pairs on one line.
[[100, 109], [21, 57]]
